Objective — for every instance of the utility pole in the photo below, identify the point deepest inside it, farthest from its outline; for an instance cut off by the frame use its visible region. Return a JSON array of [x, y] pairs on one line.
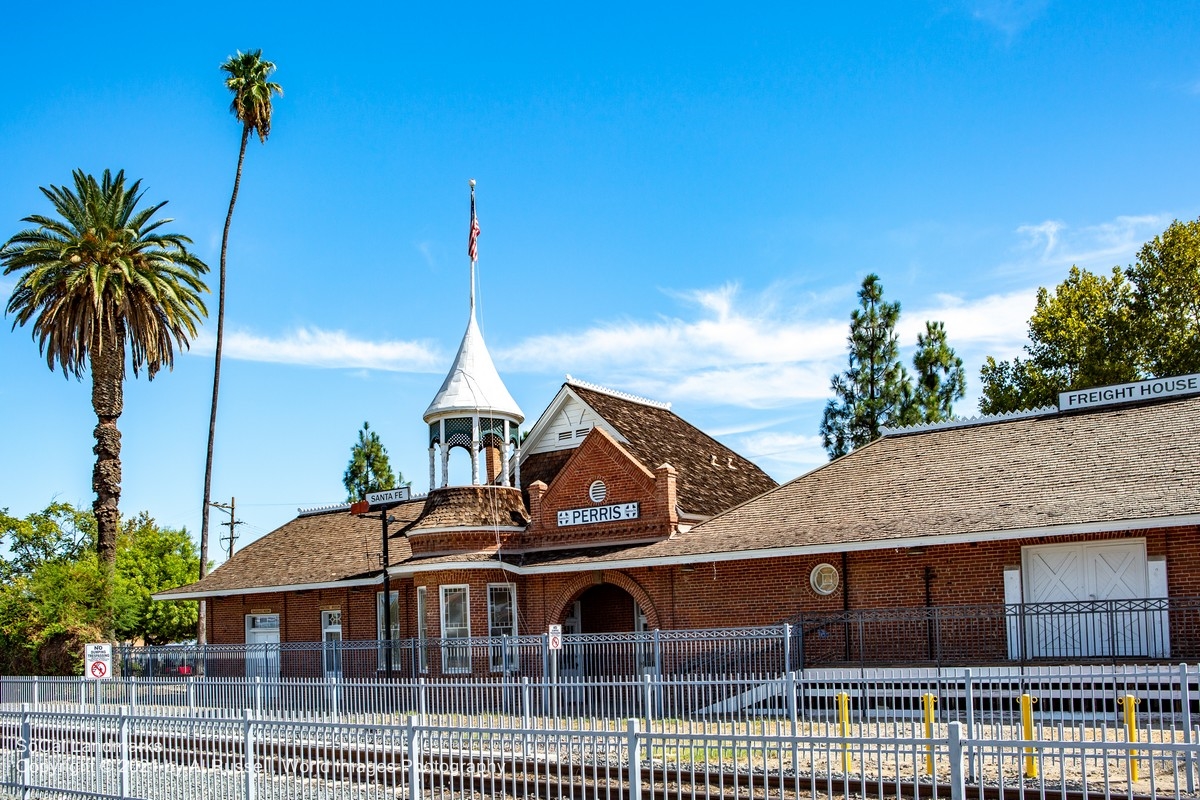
[[231, 509]]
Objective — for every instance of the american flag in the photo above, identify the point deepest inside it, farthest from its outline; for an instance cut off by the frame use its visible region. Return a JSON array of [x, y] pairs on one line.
[[473, 241]]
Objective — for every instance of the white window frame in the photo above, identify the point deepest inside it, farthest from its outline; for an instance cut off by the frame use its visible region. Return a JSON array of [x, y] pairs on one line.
[[453, 655], [499, 660], [396, 645], [423, 628]]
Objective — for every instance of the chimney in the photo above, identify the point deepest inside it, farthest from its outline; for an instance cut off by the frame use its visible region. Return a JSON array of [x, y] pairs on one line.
[[537, 490], [664, 490]]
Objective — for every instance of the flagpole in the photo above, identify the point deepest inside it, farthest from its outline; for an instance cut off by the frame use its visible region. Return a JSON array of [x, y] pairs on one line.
[[472, 257]]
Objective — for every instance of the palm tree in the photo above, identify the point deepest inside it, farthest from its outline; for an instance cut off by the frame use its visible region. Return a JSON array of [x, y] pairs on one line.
[[251, 104], [97, 281]]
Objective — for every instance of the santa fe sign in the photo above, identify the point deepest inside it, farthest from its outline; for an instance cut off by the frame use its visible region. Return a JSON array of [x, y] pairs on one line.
[[97, 661]]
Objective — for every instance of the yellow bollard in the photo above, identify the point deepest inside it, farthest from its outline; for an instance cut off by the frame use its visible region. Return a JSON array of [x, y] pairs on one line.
[[927, 702], [843, 705], [1131, 731], [1027, 701]]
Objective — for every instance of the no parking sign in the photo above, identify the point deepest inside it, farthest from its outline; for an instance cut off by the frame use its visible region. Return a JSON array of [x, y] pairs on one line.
[[97, 661], [555, 637]]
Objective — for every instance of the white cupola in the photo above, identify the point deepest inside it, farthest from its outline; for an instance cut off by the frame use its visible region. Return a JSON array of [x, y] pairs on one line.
[[474, 409]]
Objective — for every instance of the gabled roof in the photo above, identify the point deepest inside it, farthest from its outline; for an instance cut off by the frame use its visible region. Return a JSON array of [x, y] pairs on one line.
[[711, 477], [473, 384], [311, 550]]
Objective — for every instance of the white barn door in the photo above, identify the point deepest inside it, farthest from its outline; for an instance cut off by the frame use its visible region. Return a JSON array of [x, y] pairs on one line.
[[1068, 573]]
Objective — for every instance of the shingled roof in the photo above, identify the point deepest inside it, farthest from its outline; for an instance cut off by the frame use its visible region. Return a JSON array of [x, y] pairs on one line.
[[310, 549], [711, 477], [1045, 474]]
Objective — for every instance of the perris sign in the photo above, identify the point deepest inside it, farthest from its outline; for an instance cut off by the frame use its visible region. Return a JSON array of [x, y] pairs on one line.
[[586, 516]]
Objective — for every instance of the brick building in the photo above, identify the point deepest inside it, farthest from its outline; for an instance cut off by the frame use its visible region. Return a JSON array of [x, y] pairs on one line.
[[614, 514]]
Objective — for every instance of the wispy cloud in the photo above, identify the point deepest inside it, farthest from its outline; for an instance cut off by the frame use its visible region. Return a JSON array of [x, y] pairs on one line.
[[1009, 17], [426, 251], [754, 351], [783, 452], [1055, 244], [313, 347]]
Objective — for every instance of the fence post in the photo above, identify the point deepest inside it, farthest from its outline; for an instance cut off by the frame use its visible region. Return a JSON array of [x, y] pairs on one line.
[[123, 787], [1185, 688], [958, 788], [525, 710], [787, 648], [36, 693], [423, 699], [83, 692], [793, 715], [248, 754], [333, 697], [133, 698], [545, 673], [633, 744], [414, 758], [647, 702], [25, 754], [658, 659], [258, 698], [969, 681]]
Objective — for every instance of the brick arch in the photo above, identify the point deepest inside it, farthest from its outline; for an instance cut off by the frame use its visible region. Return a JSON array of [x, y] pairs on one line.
[[587, 580]]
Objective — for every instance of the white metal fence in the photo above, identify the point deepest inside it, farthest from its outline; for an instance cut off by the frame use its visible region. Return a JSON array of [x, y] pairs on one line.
[[127, 755], [1073, 703]]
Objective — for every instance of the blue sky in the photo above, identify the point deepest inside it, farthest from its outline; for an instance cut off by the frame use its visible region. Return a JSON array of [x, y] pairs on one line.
[[678, 201]]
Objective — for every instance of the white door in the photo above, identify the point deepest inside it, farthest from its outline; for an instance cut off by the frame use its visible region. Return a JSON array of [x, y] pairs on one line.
[[331, 638], [571, 657], [1075, 573], [262, 651]]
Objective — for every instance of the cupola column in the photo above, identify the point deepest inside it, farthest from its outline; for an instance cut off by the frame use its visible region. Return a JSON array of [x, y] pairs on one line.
[[445, 453], [507, 452], [432, 467], [475, 448]]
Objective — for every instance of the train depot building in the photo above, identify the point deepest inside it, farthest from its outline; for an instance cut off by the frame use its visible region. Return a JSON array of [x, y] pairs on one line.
[[1060, 534]]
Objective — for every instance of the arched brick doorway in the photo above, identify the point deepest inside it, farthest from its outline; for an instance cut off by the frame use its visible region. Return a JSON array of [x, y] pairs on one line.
[[616, 604]]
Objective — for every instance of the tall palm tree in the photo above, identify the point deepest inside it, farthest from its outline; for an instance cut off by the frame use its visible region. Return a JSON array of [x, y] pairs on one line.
[[251, 104], [98, 281]]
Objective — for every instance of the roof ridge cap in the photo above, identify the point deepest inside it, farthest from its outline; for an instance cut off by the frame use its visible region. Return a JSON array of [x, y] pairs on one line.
[[964, 422], [618, 394]]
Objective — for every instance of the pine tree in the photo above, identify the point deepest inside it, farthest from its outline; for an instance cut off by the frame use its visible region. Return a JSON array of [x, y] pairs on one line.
[[940, 378], [875, 389], [369, 470]]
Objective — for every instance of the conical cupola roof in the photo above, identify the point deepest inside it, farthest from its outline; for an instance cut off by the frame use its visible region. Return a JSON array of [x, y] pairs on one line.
[[473, 385]]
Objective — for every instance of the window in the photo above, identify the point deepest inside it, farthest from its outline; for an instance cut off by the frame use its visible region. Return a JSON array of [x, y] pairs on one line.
[[823, 579], [456, 624], [379, 630], [502, 621], [422, 629]]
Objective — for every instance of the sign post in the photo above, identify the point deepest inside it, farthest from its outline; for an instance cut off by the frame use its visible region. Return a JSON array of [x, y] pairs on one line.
[[97, 661], [384, 502]]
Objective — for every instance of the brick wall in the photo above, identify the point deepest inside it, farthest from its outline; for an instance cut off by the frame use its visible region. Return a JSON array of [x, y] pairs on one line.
[[727, 594]]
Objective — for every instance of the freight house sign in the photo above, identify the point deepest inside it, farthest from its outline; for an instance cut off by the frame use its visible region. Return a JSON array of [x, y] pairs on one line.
[[597, 492]]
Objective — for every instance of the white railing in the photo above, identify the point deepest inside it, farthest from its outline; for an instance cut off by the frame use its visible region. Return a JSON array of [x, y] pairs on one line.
[[1069, 703], [131, 755]]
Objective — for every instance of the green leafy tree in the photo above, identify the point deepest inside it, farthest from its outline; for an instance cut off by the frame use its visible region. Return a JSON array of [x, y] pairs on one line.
[[1083, 334], [153, 559], [51, 603], [872, 392], [939, 378], [100, 282], [1166, 280], [368, 470], [252, 91]]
